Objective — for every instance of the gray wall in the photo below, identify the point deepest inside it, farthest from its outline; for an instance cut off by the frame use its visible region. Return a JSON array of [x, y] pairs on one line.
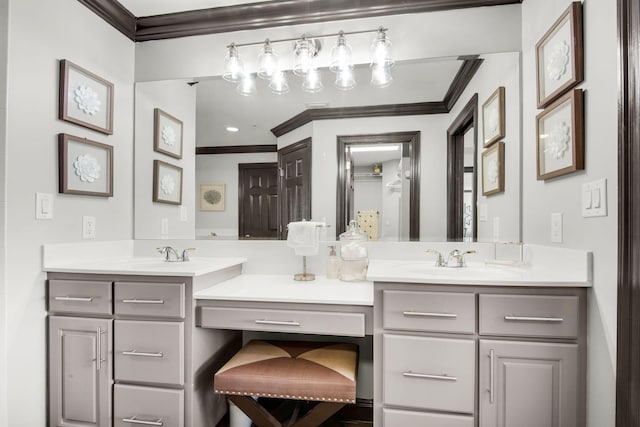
[[40, 33], [564, 194]]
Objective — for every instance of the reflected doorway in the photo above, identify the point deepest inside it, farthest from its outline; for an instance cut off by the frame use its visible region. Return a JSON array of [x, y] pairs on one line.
[[462, 152], [378, 185], [258, 200]]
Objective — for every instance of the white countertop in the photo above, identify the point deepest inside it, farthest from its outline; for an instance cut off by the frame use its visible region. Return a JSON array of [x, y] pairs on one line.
[[147, 266], [283, 288], [474, 274]]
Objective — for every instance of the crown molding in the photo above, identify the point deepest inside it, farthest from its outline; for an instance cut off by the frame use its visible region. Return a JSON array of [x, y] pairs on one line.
[[263, 15]]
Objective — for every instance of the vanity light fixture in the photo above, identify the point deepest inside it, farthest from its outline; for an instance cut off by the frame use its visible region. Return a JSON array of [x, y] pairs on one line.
[[305, 53]]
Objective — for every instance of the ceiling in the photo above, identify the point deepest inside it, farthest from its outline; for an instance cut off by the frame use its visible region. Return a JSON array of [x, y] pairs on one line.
[[162, 7]]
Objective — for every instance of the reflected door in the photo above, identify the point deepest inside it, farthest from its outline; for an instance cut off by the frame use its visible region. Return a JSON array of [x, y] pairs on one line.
[[258, 200], [294, 165]]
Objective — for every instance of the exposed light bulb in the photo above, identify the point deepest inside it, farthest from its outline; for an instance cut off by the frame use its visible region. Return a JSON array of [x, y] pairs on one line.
[[267, 62], [340, 55], [381, 76], [279, 84], [233, 67], [312, 81], [381, 49], [345, 79], [304, 52], [246, 84]]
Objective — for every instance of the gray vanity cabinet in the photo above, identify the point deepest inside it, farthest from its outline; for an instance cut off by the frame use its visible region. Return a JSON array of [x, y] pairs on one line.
[[528, 384], [80, 371], [479, 356]]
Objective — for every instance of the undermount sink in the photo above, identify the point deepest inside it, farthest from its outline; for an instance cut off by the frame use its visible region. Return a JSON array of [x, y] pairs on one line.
[[427, 268]]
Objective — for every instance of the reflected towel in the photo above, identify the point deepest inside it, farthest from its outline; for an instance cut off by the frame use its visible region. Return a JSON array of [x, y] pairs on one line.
[[303, 237], [368, 223]]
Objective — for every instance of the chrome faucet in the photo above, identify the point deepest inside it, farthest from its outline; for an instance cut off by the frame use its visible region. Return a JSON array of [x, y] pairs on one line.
[[456, 258], [171, 255], [439, 259]]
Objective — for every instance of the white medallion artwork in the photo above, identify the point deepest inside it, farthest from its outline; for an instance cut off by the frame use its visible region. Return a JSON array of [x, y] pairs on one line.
[[558, 139], [492, 171], [168, 136], [87, 168], [558, 60], [493, 121], [87, 100], [167, 184]]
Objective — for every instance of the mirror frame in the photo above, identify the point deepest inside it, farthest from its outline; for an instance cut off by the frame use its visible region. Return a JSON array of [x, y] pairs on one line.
[[412, 138]]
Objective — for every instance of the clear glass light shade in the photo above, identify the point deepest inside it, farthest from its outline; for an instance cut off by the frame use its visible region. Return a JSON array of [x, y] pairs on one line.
[[278, 83], [304, 53], [381, 50], [345, 79], [233, 67], [381, 75], [341, 55], [312, 81], [267, 62], [246, 85]]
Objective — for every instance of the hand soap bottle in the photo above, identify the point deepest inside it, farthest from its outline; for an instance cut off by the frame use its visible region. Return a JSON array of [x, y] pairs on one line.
[[333, 264]]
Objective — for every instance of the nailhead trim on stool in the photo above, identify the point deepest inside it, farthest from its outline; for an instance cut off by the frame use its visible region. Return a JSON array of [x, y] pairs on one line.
[[295, 370]]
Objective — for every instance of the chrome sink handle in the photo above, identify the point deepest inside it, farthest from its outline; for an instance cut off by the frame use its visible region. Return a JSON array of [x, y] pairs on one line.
[[439, 258], [456, 258], [185, 254]]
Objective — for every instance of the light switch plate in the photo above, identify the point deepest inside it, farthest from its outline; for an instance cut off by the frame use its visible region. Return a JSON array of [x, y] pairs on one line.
[[44, 206], [164, 226], [496, 229], [183, 213], [483, 212], [556, 227], [594, 198]]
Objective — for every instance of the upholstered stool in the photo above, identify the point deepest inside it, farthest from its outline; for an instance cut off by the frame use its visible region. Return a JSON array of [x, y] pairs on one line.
[[297, 370]]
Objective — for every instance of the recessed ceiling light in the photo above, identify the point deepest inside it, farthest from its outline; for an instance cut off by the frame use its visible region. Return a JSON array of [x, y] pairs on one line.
[[232, 129]]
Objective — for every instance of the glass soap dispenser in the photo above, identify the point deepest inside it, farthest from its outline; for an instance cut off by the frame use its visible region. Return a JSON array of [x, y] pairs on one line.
[[333, 264], [353, 252]]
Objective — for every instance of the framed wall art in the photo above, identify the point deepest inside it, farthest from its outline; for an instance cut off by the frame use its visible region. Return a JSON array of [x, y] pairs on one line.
[[167, 183], [493, 121], [212, 197], [559, 56], [560, 136], [85, 167], [493, 169], [85, 99], [167, 134]]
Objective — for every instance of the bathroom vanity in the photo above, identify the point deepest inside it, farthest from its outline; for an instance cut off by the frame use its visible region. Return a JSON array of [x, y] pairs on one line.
[[136, 342]]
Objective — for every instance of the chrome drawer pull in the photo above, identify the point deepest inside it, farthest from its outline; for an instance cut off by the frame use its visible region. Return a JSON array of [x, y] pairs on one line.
[[142, 354], [430, 377], [67, 298], [135, 420], [99, 359], [143, 301], [278, 322], [438, 315], [492, 360], [534, 319]]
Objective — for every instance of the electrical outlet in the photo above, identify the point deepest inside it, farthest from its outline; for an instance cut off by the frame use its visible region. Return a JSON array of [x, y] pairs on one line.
[[183, 213], [496, 229], [88, 227], [556, 227]]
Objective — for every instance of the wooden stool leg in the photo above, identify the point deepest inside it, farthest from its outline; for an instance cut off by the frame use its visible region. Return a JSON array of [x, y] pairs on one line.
[[260, 416], [318, 414]]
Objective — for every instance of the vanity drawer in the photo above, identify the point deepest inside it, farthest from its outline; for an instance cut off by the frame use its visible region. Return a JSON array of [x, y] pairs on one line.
[[148, 406], [428, 373], [293, 321], [150, 352], [80, 296], [150, 299], [396, 418], [529, 315], [429, 311]]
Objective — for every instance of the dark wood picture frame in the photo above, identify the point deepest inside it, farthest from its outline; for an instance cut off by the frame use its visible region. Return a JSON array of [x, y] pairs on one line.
[[163, 188], [496, 150], [493, 109], [574, 101], [84, 105], [165, 136], [91, 176], [567, 55]]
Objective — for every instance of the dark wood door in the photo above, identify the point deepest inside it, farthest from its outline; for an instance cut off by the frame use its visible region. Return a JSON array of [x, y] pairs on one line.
[[294, 164], [258, 200]]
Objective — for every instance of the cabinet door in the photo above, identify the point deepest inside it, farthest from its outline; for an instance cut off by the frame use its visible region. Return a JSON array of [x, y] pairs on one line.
[[80, 372], [528, 384]]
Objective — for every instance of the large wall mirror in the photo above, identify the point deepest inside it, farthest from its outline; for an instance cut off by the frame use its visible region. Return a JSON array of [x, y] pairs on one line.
[[241, 142]]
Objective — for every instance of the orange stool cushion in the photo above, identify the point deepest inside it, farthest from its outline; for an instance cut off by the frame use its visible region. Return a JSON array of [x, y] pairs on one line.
[[292, 370]]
